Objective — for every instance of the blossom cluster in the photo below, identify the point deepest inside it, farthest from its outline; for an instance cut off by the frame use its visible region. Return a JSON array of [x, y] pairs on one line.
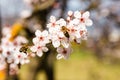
[[60, 33], [10, 51]]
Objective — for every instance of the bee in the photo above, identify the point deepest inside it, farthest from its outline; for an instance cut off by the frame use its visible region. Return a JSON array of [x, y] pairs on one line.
[[65, 31], [24, 48]]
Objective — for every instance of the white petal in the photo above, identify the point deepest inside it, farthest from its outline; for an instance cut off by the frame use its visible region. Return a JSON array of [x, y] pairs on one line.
[[72, 37], [45, 33], [16, 61], [52, 19], [38, 32], [88, 22], [22, 62], [77, 35], [61, 34], [59, 50], [77, 14], [62, 22], [45, 49], [81, 27], [65, 44], [56, 43], [33, 48], [39, 53], [49, 25], [35, 40], [53, 37], [70, 13], [51, 30], [78, 40], [46, 40], [59, 56], [75, 21], [86, 14], [27, 61]]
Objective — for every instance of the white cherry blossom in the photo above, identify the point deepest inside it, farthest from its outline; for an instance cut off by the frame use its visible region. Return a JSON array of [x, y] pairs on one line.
[[53, 25], [10, 49], [61, 22], [39, 49], [59, 39], [73, 32], [41, 38], [82, 18], [21, 58], [63, 52]]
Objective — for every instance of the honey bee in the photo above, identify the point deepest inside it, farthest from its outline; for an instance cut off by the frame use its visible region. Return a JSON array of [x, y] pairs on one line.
[[65, 31], [24, 48]]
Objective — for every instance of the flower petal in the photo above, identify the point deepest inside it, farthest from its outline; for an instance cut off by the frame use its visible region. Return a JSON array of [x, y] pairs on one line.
[[86, 14], [56, 43], [75, 21], [77, 34], [59, 56], [33, 48], [35, 40], [16, 61], [77, 14], [38, 33], [45, 49], [52, 19], [45, 33], [65, 44], [70, 13], [78, 40], [88, 22], [39, 53], [27, 61], [22, 61], [59, 50]]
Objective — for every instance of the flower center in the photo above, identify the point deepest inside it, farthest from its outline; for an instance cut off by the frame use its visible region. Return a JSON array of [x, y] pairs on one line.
[[15, 44], [41, 38], [82, 20], [53, 24], [60, 38], [73, 30], [19, 56], [39, 47], [8, 53], [81, 32], [64, 51]]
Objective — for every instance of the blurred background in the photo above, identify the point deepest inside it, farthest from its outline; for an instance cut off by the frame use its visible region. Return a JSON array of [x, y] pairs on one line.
[[98, 58]]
